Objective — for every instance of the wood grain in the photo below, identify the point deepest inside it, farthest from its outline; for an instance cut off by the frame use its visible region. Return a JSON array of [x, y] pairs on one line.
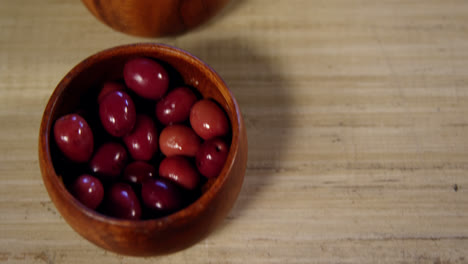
[[356, 113]]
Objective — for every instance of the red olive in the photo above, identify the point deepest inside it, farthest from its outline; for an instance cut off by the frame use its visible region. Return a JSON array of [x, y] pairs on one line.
[[175, 106], [122, 202], [117, 113], [142, 142], [178, 140], [180, 170], [74, 137], [208, 119], [146, 77], [109, 87], [109, 161], [88, 190], [138, 172], [211, 157], [161, 195]]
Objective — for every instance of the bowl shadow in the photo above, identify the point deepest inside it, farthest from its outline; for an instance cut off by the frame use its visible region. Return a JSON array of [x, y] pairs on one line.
[[230, 7], [257, 82]]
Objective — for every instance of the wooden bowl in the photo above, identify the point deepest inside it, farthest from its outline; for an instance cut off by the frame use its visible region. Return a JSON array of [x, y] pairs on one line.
[[155, 236], [154, 18]]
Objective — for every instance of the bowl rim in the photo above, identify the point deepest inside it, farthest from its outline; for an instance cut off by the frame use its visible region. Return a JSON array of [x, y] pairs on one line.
[[183, 215]]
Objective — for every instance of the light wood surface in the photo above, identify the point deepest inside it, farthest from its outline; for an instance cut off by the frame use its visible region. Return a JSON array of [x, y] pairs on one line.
[[357, 119]]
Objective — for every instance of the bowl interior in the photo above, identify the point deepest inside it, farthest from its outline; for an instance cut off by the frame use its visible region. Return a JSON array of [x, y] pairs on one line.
[[81, 85], [79, 89], [181, 228]]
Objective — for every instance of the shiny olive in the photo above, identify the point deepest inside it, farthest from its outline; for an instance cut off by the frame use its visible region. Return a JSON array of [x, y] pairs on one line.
[[146, 77], [88, 190], [74, 137], [142, 141], [180, 170], [122, 202], [138, 172], [109, 161], [175, 106], [211, 157], [117, 113], [161, 195], [178, 140], [208, 120]]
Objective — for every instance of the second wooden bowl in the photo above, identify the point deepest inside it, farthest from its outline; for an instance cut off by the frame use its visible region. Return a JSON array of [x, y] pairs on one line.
[[154, 18]]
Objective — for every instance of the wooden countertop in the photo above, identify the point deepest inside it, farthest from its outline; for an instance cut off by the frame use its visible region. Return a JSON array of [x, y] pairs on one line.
[[357, 118]]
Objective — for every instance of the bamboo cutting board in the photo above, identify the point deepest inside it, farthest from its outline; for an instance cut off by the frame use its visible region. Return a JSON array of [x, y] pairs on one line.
[[357, 119]]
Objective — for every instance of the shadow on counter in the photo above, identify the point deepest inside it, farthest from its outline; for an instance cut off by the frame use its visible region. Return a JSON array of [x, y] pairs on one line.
[[257, 82]]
